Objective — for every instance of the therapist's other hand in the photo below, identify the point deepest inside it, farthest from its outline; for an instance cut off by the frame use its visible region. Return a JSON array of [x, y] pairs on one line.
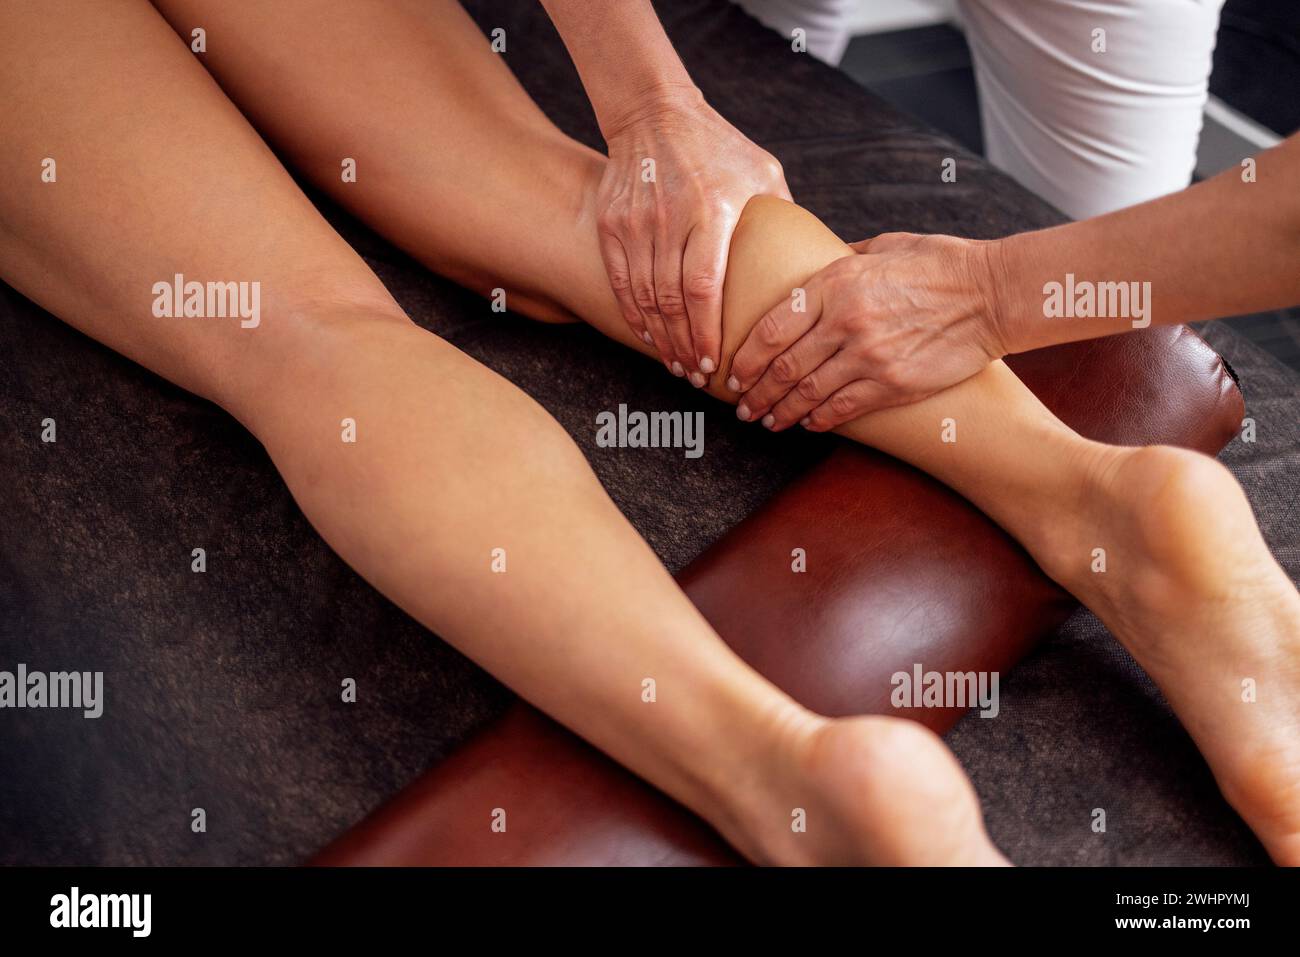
[[678, 178], [907, 317]]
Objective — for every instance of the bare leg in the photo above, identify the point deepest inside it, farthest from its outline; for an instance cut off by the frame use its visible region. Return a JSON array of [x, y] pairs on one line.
[[508, 201], [436, 479]]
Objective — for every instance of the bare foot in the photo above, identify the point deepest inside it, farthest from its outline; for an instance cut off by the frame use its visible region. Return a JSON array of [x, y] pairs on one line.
[[1191, 590], [871, 790]]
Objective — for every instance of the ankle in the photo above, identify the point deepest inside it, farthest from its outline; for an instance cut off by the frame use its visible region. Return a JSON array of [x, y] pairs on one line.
[[753, 801], [1070, 516]]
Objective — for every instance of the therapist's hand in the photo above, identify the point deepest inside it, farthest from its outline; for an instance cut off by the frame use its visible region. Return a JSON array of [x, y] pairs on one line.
[[678, 178], [909, 316]]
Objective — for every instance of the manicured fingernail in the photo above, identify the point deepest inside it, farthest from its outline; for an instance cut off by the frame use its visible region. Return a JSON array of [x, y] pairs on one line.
[[697, 380], [678, 370], [742, 412], [707, 365], [805, 421], [769, 420], [733, 383], [649, 339]]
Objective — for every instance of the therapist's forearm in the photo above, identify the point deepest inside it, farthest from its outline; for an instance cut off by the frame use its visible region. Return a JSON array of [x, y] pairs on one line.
[[1222, 247], [627, 64]]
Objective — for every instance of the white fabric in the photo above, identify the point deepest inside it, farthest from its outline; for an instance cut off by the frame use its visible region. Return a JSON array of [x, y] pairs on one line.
[[824, 22], [1092, 131], [1088, 131]]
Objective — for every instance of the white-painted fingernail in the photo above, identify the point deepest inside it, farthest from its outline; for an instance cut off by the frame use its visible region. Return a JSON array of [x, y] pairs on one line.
[[678, 370], [733, 383], [706, 365], [697, 380], [649, 339], [805, 421], [769, 420], [742, 412]]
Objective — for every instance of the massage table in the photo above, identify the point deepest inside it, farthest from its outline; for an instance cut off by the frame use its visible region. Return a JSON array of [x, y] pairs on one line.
[[223, 688]]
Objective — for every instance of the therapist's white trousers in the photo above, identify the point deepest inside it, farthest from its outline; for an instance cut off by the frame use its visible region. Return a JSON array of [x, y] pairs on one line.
[[1092, 104]]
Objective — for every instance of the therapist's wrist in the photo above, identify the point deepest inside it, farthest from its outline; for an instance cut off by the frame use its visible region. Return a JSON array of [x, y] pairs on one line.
[[654, 102], [994, 295], [1012, 294]]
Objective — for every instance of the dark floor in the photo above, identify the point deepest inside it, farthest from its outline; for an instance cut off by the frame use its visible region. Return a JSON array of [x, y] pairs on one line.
[[927, 72], [1257, 62]]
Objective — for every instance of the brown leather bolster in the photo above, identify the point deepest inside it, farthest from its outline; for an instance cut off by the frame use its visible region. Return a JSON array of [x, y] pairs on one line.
[[900, 571]]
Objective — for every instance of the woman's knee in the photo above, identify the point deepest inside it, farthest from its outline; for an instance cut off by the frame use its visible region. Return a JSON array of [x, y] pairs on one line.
[[301, 338], [777, 246]]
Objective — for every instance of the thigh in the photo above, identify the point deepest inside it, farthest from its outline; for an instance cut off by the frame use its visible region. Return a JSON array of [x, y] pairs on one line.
[[1093, 105], [127, 167], [450, 157]]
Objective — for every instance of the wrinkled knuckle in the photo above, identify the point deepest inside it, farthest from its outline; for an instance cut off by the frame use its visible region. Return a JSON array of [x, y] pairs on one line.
[[620, 280], [619, 219], [671, 305], [644, 296], [870, 353], [809, 388], [890, 376], [769, 331], [842, 404], [783, 369], [701, 286], [836, 322]]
